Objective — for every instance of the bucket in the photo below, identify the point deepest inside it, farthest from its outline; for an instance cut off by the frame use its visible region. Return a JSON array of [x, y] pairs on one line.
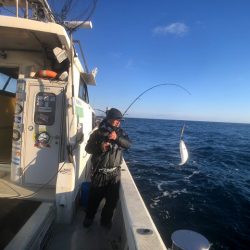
[[84, 194]]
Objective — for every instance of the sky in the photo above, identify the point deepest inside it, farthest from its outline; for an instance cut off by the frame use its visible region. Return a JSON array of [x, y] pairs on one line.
[[202, 45]]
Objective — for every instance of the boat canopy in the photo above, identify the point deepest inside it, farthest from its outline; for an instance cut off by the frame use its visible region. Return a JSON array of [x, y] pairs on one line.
[[29, 35]]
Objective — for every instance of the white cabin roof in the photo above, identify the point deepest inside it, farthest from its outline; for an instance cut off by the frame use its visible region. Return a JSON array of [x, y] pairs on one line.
[[33, 35]]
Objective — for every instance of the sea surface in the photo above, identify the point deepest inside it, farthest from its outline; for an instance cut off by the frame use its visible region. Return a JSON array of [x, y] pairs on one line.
[[210, 194]]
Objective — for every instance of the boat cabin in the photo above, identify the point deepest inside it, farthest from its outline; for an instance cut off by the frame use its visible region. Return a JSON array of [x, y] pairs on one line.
[[45, 122], [46, 118]]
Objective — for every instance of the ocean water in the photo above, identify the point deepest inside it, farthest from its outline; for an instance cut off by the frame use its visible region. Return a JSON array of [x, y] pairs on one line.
[[210, 194]]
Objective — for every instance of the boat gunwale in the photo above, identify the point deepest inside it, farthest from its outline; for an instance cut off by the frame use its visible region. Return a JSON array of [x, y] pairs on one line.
[[136, 216]]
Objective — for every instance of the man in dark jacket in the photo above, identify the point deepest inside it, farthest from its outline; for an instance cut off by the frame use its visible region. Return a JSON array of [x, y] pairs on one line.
[[106, 145]]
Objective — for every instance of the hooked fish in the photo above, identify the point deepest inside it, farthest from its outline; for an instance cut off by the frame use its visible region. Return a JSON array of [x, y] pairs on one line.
[[183, 149], [183, 152]]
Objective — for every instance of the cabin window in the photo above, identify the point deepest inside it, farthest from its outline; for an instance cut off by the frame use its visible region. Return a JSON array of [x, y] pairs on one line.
[[8, 79], [45, 109], [83, 91]]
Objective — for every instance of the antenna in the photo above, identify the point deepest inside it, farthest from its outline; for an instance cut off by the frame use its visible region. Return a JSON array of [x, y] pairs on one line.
[[71, 25]]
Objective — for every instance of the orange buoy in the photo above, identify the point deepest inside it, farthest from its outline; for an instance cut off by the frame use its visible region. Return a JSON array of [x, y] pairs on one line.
[[47, 73]]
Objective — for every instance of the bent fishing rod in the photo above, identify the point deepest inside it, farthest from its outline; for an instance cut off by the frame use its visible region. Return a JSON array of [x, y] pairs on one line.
[[182, 146], [155, 86], [183, 149], [145, 91]]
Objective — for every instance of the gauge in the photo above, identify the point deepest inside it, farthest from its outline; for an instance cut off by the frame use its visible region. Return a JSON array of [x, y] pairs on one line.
[[16, 135], [19, 109], [43, 137]]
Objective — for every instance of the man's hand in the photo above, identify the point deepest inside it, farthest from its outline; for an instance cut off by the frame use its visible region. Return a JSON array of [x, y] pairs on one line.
[[113, 136], [105, 146]]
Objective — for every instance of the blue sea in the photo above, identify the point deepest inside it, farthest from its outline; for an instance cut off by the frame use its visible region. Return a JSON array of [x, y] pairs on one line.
[[210, 194]]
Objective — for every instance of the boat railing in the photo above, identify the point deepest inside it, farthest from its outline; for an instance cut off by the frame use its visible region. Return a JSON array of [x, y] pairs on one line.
[[36, 10], [141, 231]]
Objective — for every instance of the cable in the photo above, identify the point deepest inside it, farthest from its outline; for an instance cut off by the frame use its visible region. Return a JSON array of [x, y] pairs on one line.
[[40, 188]]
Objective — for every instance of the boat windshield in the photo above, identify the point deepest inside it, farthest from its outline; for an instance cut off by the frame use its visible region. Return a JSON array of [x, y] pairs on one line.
[[8, 79]]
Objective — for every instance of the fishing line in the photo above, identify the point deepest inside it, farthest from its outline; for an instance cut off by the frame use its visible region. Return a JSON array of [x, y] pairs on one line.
[[182, 131]]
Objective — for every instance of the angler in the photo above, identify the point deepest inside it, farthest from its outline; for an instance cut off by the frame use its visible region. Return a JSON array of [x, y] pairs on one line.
[[106, 145]]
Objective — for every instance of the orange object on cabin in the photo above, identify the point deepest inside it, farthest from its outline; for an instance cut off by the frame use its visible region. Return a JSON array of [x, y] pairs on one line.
[[47, 74]]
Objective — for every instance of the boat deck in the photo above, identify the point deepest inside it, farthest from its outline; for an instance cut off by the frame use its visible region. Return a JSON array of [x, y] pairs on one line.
[[9, 189], [14, 213], [76, 237], [132, 227], [14, 199]]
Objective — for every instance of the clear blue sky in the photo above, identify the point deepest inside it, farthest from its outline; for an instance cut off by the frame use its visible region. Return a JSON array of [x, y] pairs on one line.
[[203, 45]]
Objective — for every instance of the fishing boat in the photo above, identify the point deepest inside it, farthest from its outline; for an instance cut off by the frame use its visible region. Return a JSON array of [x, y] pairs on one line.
[[46, 120]]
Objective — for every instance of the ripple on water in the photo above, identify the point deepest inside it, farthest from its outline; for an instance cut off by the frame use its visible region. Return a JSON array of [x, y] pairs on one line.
[[210, 194]]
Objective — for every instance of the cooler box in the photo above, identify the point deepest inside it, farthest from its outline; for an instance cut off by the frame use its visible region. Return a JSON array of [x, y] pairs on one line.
[[84, 193]]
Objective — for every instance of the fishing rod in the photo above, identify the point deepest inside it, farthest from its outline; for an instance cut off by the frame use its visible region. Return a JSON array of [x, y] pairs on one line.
[[155, 86], [101, 110], [182, 146]]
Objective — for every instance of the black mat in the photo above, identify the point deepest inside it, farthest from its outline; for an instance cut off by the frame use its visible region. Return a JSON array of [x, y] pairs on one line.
[[13, 215]]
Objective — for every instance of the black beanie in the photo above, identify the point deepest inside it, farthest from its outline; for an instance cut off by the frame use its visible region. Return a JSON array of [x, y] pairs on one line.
[[113, 114]]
